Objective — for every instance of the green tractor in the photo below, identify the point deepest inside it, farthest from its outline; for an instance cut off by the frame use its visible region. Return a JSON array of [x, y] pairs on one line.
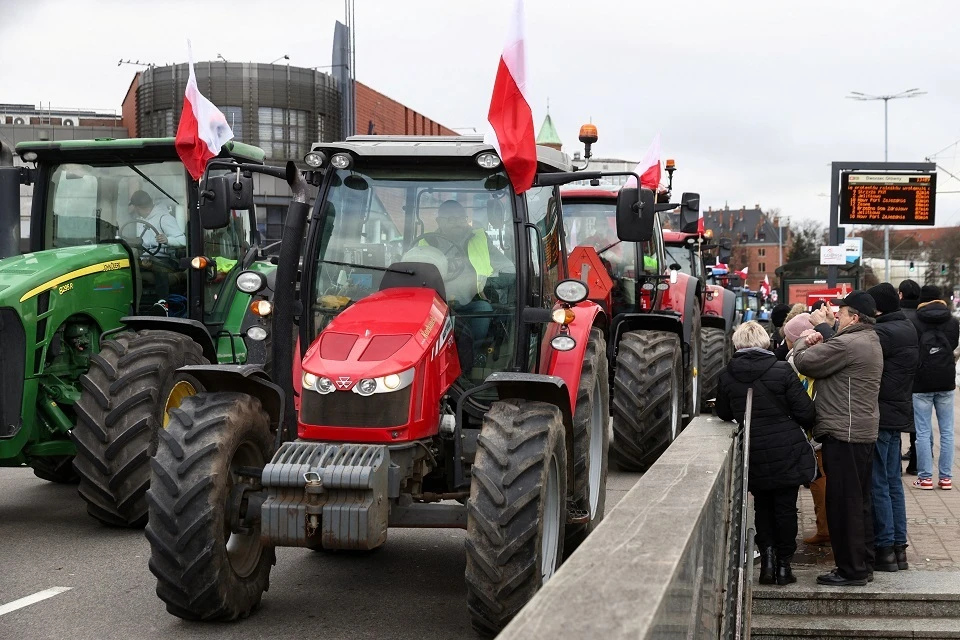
[[129, 275]]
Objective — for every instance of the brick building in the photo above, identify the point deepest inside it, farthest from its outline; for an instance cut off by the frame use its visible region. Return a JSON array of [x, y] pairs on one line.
[[757, 239]]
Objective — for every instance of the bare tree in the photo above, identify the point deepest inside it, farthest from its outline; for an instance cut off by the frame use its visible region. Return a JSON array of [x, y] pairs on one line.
[[808, 236]]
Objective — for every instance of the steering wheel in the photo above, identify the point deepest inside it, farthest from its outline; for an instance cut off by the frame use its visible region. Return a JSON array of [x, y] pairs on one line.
[[456, 258], [147, 226]]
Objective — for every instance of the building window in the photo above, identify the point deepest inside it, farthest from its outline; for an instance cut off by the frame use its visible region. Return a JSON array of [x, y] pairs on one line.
[[763, 267], [761, 252], [283, 133]]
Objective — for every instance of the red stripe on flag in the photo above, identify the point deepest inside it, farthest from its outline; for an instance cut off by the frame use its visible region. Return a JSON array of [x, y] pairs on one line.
[[512, 122], [193, 152]]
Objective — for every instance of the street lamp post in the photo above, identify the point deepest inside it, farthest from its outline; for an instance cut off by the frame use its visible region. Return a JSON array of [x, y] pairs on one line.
[[909, 93]]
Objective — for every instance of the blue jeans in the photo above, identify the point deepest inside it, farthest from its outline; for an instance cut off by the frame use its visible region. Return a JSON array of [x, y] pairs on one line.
[[889, 509], [923, 406]]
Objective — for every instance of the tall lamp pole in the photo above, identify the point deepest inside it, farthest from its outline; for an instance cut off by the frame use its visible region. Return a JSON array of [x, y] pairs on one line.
[[909, 93]]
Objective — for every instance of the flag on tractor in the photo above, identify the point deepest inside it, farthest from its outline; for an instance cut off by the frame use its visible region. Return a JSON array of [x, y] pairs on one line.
[[203, 129]]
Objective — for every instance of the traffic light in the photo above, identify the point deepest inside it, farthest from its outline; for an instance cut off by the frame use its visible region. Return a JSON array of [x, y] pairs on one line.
[[911, 266]]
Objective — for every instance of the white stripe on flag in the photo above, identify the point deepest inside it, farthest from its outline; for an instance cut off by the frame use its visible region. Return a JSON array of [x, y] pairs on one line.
[[32, 599]]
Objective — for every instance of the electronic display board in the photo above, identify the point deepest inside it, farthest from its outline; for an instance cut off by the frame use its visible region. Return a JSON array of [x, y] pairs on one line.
[[895, 198]]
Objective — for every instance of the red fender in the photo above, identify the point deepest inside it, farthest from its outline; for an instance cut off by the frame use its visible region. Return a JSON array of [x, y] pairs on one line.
[[567, 364]]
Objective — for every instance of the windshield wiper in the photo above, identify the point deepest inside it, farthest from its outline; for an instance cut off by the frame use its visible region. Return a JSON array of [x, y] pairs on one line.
[[366, 266], [608, 247], [147, 178]]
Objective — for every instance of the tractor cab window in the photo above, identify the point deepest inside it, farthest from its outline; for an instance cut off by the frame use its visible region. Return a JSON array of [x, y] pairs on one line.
[[144, 203], [459, 220], [225, 248], [684, 257]]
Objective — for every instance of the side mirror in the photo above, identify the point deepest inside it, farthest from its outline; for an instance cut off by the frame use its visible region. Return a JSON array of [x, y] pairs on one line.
[[635, 214], [689, 212], [223, 194]]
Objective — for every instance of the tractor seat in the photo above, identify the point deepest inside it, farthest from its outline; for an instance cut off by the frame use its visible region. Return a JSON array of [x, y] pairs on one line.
[[424, 275]]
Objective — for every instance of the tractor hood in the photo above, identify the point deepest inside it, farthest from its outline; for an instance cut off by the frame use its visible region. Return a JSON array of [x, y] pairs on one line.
[[23, 277], [385, 333]]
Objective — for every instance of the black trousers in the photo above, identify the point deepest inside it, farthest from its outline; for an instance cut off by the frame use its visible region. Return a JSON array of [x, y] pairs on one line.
[[775, 518], [849, 469]]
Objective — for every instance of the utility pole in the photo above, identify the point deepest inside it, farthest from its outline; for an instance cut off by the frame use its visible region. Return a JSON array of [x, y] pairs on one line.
[[909, 93]]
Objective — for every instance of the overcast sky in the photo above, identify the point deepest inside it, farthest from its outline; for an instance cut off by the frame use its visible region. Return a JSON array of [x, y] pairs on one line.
[[748, 96]]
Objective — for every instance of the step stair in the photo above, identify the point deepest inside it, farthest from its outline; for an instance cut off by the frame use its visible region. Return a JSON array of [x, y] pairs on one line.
[[905, 604]]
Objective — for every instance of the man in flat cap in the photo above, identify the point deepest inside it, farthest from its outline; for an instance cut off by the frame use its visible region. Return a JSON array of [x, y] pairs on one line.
[[847, 369]]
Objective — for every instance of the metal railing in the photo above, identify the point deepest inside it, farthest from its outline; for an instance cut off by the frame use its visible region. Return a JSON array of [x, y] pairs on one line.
[[738, 591]]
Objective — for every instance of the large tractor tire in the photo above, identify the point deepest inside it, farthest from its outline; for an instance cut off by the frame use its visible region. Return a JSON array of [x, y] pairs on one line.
[[647, 389], [57, 469], [713, 363], [130, 386], [516, 511], [692, 376], [204, 550], [591, 442]]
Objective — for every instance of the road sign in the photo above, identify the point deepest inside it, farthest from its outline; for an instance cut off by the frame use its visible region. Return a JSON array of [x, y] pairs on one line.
[[853, 248], [833, 255], [896, 198]]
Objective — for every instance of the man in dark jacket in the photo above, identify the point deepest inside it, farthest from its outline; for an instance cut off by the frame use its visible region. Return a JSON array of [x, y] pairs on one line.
[[898, 341], [847, 369], [781, 459], [777, 317], [934, 386], [909, 291]]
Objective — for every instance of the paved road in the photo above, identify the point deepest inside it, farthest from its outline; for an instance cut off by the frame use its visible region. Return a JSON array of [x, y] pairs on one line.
[[410, 588]]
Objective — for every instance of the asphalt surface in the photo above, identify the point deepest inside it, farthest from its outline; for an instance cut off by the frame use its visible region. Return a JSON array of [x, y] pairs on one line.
[[412, 587]]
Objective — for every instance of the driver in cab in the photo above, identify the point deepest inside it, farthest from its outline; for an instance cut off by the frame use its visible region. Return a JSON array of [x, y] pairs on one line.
[[457, 238], [168, 232]]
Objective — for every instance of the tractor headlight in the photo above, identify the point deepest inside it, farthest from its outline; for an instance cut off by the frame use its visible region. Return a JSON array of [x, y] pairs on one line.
[[257, 333], [314, 159], [251, 282], [488, 160], [572, 291], [341, 160], [385, 384], [309, 380], [366, 387], [563, 343], [325, 385]]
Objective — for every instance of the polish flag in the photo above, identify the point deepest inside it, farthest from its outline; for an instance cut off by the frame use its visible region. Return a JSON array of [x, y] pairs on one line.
[[765, 287], [743, 274], [203, 129], [648, 168], [510, 117]]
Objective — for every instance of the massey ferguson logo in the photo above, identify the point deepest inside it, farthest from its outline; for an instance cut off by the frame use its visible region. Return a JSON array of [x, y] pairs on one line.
[[343, 382]]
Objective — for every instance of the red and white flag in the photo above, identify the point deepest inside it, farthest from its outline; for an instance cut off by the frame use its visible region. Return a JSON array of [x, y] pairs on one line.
[[743, 273], [203, 129], [765, 286], [510, 117], [648, 168]]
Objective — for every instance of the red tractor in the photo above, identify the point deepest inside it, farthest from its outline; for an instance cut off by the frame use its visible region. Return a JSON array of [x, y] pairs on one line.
[[685, 251], [446, 372], [653, 320]]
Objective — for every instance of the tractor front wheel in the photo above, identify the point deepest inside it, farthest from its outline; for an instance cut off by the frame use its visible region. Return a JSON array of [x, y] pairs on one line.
[[591, 442], [205, 550], [646, 397], [126, 394], [516, 511]]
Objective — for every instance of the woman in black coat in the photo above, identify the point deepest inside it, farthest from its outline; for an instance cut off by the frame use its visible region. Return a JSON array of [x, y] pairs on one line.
[[781, 458]]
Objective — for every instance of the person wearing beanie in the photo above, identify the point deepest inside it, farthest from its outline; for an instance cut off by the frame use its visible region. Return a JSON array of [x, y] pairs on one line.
[[909, 292], [934, 387], [847, 368], [796, 328], [899, 343], [796, 310], [777, 317]]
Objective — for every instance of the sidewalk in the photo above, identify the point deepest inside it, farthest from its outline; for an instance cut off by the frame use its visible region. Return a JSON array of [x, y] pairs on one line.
[[933, 519]]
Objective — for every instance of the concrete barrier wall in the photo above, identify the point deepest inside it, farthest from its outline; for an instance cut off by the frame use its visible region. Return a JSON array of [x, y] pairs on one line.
[[655, 567]]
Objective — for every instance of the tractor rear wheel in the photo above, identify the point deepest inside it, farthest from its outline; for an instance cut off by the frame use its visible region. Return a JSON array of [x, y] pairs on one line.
[[591, 441], [205, 551], [646, 397], [714, 361], [692, 376], [516, 511], [131, 384], [57, 469]]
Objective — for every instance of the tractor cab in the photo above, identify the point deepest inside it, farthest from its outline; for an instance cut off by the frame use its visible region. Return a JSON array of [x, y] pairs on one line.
[[137, 196]]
